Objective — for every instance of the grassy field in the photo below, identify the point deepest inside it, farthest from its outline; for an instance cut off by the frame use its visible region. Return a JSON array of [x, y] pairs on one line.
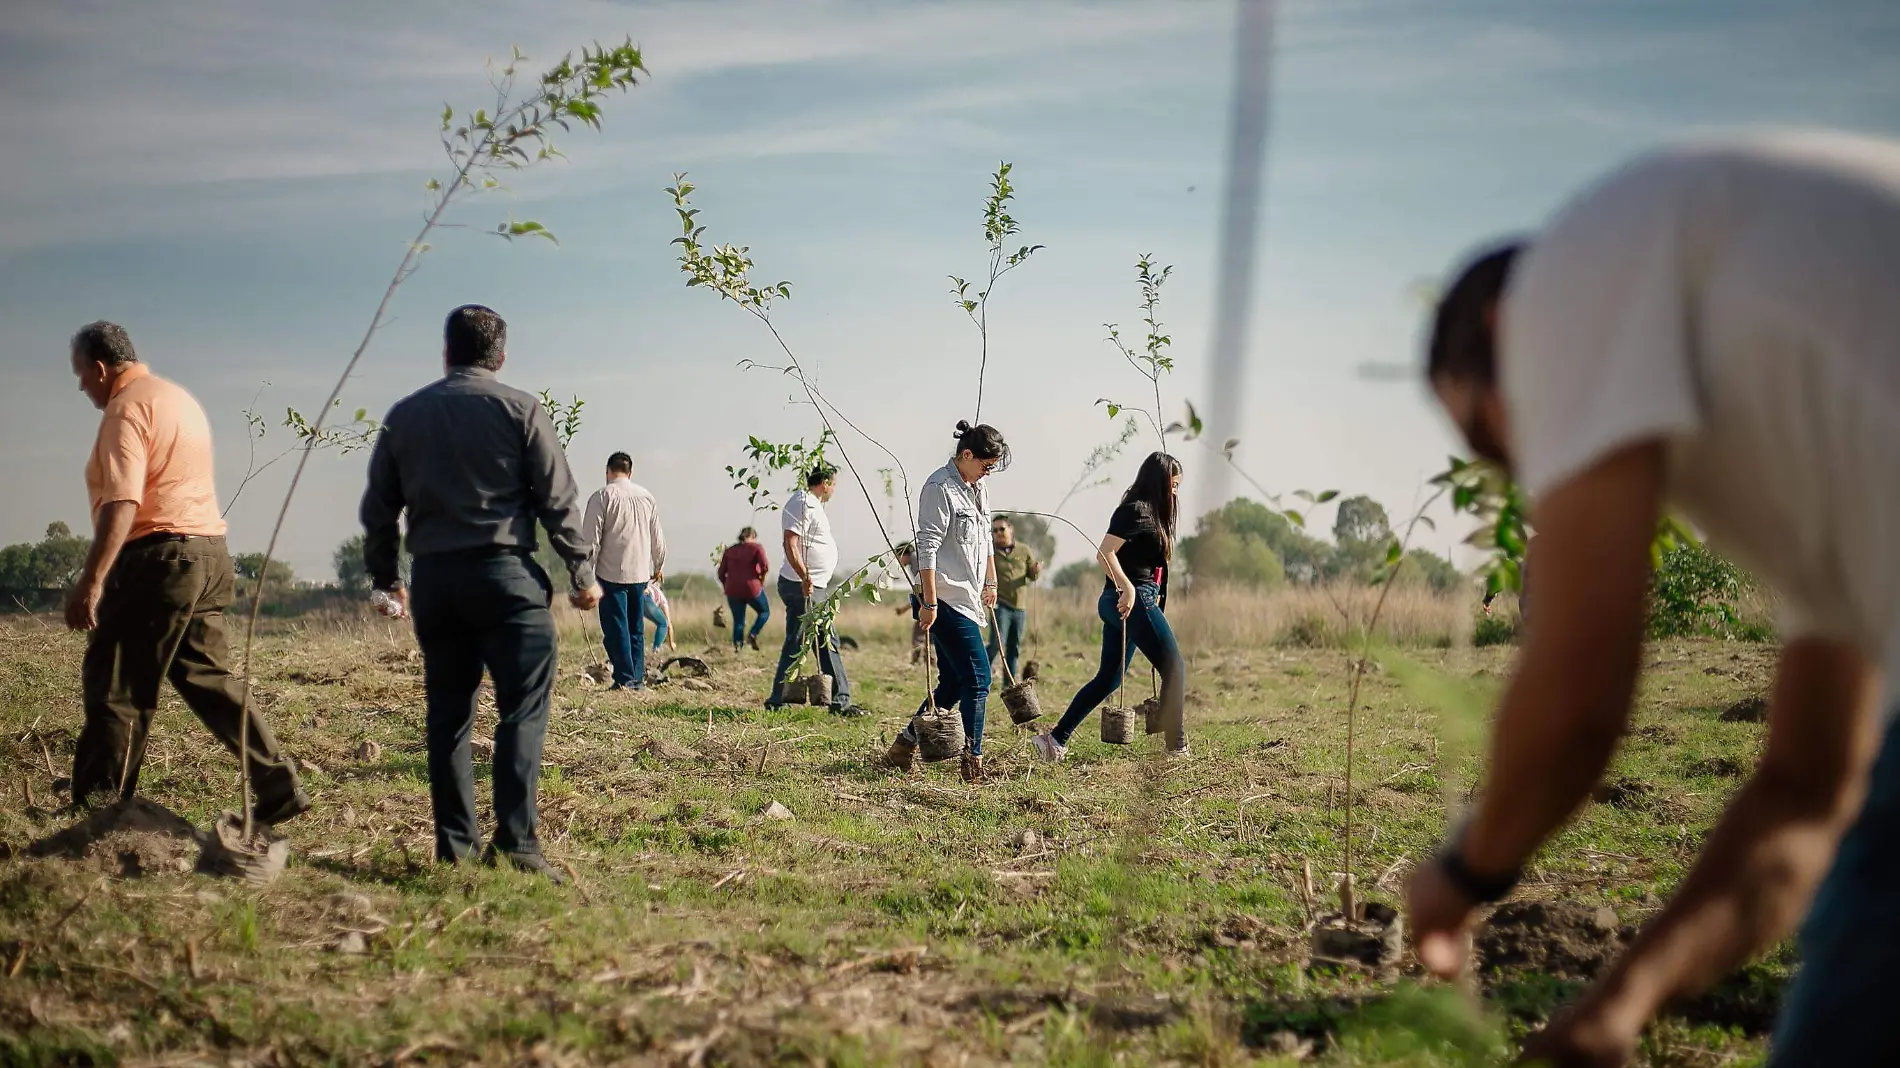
[[1109, 910]]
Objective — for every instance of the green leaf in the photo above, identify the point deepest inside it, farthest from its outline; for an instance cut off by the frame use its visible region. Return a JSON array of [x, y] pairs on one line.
[[1327, 495], [1394, 552], [1298, 519]]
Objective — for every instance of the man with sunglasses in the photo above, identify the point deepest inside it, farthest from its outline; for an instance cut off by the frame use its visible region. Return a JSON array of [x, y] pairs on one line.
[[1016, 568], [1714, 330]]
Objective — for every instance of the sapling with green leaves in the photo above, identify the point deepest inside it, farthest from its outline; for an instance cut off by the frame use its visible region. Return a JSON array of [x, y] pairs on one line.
[[515, 135], [566, 416], [772, 466], [359, 433], [998, 227], [726, 269], [1152, 359]]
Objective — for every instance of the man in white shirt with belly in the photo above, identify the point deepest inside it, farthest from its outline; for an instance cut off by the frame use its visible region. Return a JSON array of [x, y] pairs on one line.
[[1713, 330], [811, 558]]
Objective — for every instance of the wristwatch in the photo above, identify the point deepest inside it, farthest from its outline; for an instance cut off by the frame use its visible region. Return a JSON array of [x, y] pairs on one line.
[[1483, 889]]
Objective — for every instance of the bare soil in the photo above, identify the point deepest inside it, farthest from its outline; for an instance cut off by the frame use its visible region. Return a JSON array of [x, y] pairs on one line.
[[1559, 939]]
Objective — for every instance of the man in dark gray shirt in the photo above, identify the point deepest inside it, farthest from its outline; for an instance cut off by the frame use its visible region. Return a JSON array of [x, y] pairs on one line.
[[476, 464]]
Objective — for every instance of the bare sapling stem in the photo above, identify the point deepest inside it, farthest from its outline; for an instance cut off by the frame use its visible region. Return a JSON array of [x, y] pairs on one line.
[[1395, 559]]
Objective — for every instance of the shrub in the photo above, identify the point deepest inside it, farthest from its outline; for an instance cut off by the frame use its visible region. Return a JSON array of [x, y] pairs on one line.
[[1494, 630], [1694, 592]]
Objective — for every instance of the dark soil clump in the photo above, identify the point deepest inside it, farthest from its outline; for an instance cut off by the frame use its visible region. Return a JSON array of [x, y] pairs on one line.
[[130, 838], [1719, 767], [1625, 793], [1560, 939], [1745, 1002], [1747, 710]]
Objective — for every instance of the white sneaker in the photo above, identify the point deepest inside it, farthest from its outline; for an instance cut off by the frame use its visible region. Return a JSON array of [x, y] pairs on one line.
[[1048, 749], [1182, 754]]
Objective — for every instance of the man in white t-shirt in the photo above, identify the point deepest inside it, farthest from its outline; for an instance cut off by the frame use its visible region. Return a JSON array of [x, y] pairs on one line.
[[1716, 331], [811, 557]]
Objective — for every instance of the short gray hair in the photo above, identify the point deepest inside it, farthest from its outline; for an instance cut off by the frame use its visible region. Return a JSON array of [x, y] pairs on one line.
[[106, 343]]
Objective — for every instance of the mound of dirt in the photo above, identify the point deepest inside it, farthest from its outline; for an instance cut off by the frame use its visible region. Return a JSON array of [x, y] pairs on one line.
[[1561, 939], [130, 838], [1719, 767], [1624, 792], [1747, 710]]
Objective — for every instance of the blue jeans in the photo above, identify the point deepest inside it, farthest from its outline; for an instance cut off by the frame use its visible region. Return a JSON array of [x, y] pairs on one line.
[[963, 675], [651, 610], [1835, 1012], [762, 605], [1007, 638], [623, 630], [477, 610], [829, 660], [1147, 630]]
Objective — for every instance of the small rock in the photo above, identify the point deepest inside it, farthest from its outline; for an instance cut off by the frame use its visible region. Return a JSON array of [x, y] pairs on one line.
[[310, 766], [369, 752], [776, 811], [1026, 840], [349, 815], [352, 943]]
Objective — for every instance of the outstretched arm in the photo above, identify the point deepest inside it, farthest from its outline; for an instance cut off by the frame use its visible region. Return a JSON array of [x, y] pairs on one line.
[[1761, 863], [1565, 709]]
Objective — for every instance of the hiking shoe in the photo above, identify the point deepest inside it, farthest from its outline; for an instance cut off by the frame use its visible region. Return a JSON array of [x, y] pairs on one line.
[[532, 863], [1048, 750], [753, 641], [1183, 754], [850, 711], [271, 813], [902, 755], [972, 769]]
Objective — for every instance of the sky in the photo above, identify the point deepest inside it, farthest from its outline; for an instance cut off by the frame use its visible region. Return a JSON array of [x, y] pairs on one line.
[[234, 181]]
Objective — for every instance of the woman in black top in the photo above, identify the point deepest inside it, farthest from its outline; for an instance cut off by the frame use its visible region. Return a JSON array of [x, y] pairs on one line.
[[1135, 555]]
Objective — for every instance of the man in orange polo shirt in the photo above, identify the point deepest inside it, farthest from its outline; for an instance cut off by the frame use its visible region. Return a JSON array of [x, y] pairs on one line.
[[157, 581]]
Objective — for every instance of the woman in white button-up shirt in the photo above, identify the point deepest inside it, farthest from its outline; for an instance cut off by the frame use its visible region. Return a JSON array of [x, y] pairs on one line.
[[957, 587]]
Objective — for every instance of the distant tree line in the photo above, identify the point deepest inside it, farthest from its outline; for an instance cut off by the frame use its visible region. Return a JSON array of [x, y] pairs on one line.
[[1245, 543]]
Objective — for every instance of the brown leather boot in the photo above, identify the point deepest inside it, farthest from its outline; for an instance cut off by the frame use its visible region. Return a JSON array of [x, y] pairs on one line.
[[902, 755], [972, 769]]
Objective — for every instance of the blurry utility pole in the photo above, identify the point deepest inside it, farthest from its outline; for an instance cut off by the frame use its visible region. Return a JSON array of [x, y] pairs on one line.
[[1241, 209]]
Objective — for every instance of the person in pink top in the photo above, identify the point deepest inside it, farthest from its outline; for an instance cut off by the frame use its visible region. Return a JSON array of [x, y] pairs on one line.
[[742, 571]]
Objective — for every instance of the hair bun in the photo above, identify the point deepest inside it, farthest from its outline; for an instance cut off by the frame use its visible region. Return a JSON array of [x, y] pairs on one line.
[[963, 427]]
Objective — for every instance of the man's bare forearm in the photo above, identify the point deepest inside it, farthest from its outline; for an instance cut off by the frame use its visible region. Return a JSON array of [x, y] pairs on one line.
[[110, 529], [1764, 859], [1565, 711]]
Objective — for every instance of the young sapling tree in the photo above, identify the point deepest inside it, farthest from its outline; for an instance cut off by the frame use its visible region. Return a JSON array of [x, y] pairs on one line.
[[998, 227]]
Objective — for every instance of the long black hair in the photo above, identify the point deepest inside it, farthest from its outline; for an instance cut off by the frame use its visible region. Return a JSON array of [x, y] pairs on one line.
[[1154, 487]]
